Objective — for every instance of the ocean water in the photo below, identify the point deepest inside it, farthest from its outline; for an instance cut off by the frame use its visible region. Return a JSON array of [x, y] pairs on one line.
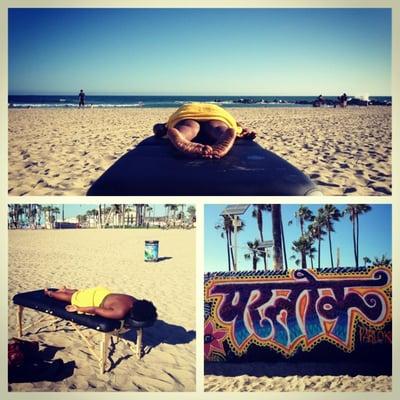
[[65, 101]]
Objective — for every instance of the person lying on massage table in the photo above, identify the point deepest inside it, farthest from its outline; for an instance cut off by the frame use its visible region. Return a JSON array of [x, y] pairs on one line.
[[100, 301], [218, 127]]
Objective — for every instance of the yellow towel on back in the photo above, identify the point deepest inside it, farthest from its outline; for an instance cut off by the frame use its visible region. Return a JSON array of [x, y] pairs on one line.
[[92, 297], [203, 112]]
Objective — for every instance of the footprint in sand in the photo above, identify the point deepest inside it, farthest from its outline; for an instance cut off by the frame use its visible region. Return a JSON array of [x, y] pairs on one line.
[[349, 190], [321, 183], [382, 189]]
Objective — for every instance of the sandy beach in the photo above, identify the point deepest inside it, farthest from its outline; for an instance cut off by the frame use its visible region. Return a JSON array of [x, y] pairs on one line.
[[112, 258], [63, 151], [341, 383]]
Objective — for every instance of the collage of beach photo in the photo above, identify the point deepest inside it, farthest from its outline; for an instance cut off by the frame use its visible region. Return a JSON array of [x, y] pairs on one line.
[[201, 198]]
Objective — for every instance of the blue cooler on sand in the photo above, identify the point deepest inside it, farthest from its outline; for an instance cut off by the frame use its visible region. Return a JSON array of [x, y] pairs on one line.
[[151, 250]]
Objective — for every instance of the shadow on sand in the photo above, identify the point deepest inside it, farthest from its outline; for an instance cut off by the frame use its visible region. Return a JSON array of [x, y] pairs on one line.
[[42, 368], [160, 332]]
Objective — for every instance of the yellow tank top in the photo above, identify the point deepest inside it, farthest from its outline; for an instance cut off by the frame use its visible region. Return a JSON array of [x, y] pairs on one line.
[[91, 297], [203, 112]]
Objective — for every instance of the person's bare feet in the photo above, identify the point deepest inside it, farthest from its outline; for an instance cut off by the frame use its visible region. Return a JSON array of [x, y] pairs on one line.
[[248, 134], [187, 147], [47, 292], [71, 308], [224, 143]]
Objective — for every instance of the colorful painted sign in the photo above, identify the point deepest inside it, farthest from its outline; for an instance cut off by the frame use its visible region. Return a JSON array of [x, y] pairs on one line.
[[296, 312]]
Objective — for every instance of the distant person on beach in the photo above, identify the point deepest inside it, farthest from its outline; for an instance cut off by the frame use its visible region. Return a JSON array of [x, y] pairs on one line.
[[100, 301], [81, 98], [343, 100], [217, 128], [319, 101]]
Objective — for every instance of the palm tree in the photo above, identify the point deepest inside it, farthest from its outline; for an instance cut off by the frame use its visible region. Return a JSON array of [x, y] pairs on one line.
[[284, 244], [257, 213], [56, 211], [354, 211], [48, 215], [330, 214], [300, 246], [302, 215], [227, 228], [254, 253], [116, 212], [32, 212], [383, 261], [277, 236], [192, 212], [174, 209], [168, 208], [316, 230], [150, 209], [311, 250], [16, 212], [93, 215], [366, 261]]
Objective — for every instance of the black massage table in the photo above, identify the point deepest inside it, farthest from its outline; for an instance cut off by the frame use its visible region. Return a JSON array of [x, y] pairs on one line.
[[155, 168], [107, 327]]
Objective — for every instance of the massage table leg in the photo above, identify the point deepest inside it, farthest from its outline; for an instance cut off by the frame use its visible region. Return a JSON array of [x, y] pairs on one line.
[[139, 342], [104, 351], [19, 320]]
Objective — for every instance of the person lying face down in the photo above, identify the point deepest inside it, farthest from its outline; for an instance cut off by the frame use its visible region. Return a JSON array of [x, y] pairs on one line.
[[100, 301], [217, 126]]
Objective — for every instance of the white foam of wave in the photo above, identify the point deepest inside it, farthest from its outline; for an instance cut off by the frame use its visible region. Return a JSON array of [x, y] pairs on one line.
[[222, 102], [41, 105], [71, 105], [182, 102], [115, 105]]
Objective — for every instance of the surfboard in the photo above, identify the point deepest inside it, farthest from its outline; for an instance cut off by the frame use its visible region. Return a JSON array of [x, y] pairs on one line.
[[156, 168]]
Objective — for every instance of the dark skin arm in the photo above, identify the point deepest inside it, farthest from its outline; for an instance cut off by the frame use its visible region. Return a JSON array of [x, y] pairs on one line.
[[160, 130], [100, 311]]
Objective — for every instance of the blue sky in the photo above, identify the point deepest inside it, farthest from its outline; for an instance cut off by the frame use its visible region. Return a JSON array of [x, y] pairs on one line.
[[200, 51], [375, 236]]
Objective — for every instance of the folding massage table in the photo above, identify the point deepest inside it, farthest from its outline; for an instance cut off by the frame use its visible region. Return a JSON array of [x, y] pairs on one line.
[[105, 327], [156, 168]]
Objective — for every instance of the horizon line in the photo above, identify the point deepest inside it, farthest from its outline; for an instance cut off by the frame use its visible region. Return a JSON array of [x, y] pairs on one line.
[[182, 95]]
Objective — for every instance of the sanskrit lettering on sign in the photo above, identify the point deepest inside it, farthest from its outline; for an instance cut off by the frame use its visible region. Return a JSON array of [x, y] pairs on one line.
[[299, 310]]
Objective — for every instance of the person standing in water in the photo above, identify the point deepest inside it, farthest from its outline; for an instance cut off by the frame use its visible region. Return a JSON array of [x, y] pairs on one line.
[[81, 99]]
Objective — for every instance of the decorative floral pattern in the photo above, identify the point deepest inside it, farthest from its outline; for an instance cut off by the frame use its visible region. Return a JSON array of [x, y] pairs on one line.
[[213, 339]]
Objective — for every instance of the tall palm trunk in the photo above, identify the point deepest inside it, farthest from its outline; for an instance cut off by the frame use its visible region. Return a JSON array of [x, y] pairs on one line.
[[358, 235], [330, 247], [277, 236], [284, 245], [303, 260], [354, 240], [254, 261], [123, 216], [311, 261], [319, 251], [260, 230]]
